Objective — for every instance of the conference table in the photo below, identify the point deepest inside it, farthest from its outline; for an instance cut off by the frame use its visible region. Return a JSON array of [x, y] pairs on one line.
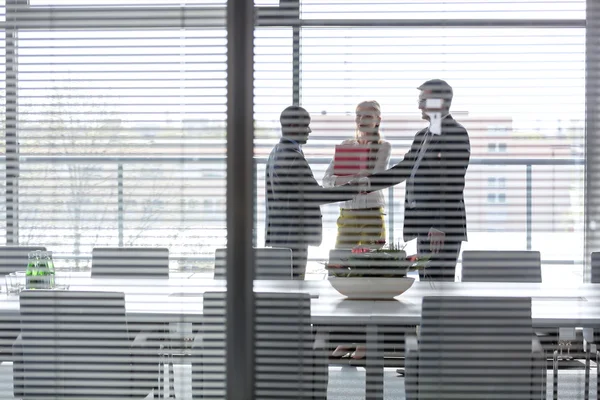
[[179, 300]]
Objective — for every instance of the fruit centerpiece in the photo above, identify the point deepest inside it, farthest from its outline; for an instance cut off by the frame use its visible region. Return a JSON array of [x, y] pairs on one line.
[[383, 271]]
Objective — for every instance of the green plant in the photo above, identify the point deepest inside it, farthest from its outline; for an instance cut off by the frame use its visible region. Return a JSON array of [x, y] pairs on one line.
[[388, 262], [392, 247]]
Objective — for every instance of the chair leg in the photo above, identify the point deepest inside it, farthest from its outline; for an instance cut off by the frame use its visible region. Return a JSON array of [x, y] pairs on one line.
[[544, 381], [162, 380], [555, 375], [171, 378], [538, 392], [587, 349], [597, 374], [160, 372]]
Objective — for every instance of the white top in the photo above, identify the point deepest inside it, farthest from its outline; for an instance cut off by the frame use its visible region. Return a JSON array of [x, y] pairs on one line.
[[369, 200]]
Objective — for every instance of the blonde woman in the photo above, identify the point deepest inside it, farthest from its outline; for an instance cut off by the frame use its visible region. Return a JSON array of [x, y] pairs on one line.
[[361, 220]]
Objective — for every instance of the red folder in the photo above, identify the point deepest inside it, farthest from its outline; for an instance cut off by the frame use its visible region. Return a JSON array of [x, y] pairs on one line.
[[350, 160]]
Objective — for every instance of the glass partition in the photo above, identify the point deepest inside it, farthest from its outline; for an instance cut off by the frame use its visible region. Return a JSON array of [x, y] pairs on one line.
[[518, 91]]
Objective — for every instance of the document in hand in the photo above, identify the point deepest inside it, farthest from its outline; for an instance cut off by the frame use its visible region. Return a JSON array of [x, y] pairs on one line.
[[350, 160]]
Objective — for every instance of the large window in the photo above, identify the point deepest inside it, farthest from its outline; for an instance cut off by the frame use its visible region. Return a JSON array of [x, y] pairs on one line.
[[115, 133], [519, 92], [122, 136], [121, 131]]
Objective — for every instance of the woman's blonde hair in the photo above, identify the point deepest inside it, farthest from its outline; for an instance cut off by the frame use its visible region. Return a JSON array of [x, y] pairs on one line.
[[375, 143], [373, 105]]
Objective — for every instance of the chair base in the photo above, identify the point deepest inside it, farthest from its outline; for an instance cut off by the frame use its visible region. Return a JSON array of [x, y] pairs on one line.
[[589, 348], [166, 359]]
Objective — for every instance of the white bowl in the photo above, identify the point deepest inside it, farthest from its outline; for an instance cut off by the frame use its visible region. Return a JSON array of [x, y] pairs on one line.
[[371, 288]]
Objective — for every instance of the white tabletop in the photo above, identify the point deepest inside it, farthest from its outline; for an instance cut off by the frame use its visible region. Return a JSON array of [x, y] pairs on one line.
[[179, 299]]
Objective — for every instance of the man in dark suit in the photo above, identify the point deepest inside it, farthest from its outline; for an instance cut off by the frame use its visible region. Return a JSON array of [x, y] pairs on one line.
[[293, 195], [434, 170]]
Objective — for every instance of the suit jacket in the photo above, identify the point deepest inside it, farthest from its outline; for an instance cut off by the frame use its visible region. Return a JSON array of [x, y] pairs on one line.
[[293, 198], [439, 182]]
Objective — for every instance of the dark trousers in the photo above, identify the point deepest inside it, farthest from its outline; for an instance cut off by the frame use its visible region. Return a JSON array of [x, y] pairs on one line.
[[442, 265]]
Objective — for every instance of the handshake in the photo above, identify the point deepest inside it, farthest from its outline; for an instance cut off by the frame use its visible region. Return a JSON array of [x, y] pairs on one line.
[[361, 183]]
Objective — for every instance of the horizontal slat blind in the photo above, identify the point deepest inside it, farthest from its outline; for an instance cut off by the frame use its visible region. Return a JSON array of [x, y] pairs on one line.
[[121, 143], [519, 90], [115, 121], [520, 93], [3, 116], [506, 80], [112, 124], [133, 123], [443, 10]]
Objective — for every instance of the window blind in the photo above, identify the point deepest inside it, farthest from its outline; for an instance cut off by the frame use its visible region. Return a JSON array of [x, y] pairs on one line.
[[123, 131], [115, 120], [3, 116], [443, 11], [161, 92], [519, 92], [121, 134]]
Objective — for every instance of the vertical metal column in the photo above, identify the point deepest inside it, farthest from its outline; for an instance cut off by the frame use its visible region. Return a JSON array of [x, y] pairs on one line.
[[256, 202], [391, 215], [120, 203], [240, 200], [592, 134], [10, 131], [529, 204]]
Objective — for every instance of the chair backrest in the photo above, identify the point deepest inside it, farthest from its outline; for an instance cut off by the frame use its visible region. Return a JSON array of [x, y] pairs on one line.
[[595, 267], [130, 262], [76, 345], [475, 348], [501, 266], [14, 258], [286, 365], [271, 263]]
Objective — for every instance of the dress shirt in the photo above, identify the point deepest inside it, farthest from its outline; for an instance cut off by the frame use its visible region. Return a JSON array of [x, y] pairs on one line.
[[410, 183]]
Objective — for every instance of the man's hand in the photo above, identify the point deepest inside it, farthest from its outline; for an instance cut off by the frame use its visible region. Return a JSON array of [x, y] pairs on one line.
[[436, 240]]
